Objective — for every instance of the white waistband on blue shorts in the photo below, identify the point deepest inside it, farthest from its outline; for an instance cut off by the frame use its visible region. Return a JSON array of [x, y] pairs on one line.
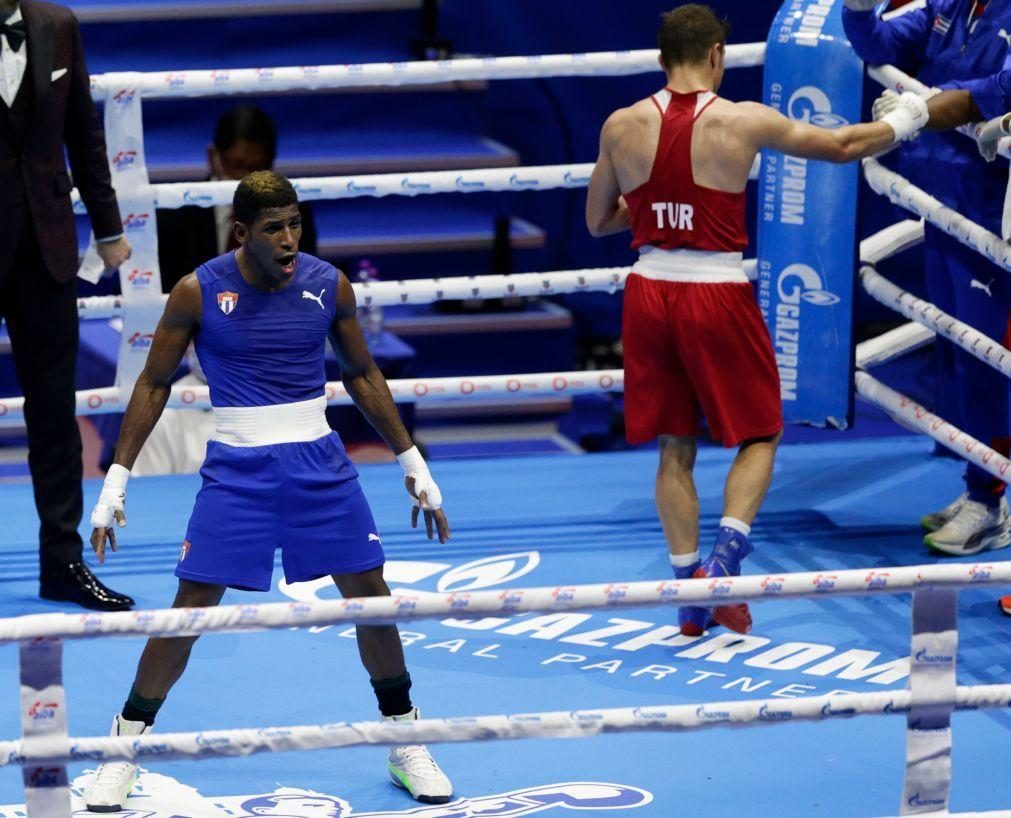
[[299, 422], [692, 266]]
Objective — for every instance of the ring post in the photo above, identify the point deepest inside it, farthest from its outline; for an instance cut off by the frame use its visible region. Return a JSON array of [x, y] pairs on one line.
[[807, 221], [931, 680], [44, 726]]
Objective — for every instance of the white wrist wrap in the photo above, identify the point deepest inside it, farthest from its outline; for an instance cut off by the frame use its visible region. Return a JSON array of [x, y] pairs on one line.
[[414, 465], [112, 498], [908, 118]]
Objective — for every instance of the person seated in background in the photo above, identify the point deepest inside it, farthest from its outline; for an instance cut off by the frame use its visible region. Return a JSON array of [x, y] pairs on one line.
[[245, 140]]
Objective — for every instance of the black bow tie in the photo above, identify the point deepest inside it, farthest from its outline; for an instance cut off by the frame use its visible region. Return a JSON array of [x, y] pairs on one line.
[[15, 33]]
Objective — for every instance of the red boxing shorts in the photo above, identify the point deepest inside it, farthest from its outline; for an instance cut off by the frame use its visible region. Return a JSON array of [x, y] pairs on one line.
[[697, 348]]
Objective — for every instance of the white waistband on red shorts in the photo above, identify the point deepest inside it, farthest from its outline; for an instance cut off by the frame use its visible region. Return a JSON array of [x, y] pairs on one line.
[[245, 426], [692, 266]]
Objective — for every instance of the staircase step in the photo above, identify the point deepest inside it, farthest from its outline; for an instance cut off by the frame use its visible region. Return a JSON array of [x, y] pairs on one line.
[[302, 155], [433, 223]]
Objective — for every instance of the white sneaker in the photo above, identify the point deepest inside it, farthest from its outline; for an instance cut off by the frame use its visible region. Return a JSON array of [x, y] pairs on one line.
[[975, 527], [413, 768], [111, 784], [937, 519]]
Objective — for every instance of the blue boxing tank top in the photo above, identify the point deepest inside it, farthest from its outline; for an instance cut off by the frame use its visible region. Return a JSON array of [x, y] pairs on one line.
[[265, 348]]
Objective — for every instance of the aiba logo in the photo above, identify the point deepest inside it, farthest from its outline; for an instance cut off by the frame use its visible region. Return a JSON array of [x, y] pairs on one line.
[[136, 221], [773, 585], [140, 279], [877, 579], [124, 159], [140, 341], [124, 97], [824, 582], [175, 80], [43, 711]]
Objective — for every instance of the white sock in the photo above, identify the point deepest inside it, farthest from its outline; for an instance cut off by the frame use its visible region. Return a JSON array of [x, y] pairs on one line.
[[737, 525], [684, 560]]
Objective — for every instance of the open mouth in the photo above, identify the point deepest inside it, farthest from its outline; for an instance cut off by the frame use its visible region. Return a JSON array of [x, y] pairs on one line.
[[287, 264]]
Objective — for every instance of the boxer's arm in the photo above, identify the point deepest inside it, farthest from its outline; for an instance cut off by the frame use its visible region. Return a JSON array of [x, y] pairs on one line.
[[989, 97], [371, 394], [764, 127], [606, 210], [151, 392]]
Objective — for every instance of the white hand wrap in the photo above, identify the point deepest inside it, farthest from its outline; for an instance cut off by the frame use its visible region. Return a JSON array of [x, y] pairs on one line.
[[909, 117], [112, 498], [989, 135], [414, 465]]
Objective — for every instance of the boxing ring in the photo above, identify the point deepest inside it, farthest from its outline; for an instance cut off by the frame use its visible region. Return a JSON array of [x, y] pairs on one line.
[[528, 611]]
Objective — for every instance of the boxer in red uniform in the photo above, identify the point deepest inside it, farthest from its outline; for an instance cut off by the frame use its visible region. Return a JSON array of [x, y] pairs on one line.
[[673, 169]]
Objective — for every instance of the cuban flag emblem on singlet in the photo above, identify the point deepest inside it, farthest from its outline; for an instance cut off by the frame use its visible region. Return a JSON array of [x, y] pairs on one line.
[[227, 301], [942, 24]]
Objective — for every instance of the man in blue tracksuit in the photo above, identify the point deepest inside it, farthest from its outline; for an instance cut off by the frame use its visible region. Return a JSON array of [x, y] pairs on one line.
[[957, 44]]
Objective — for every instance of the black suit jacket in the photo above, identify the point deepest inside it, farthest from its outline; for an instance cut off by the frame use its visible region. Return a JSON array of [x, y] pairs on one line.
[[64, 116], [188, 237]]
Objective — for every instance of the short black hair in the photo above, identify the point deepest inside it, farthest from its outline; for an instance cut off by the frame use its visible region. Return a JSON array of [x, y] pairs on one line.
[[261, 190], [688, 32], [246, 123]]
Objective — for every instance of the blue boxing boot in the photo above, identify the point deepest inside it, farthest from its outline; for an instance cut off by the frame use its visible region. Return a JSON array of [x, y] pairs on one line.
[[732, 546], [692, 620]]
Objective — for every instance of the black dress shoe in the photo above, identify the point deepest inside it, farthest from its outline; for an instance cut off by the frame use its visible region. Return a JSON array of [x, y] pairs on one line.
[[74, 582]]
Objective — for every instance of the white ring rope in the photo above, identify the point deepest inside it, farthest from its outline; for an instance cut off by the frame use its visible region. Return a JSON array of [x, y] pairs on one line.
[[110, 399], [556, 724], [174, 195], [988, 350], [892, 344], [891, 77], [217, 82], [430, 290], [411, 607], [913, 416], [903, 193]]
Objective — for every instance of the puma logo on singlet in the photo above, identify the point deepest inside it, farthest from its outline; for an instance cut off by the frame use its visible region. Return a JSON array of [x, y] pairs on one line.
[[1004, 35], [678, 216], [979, 285], [317, 298], [375, 538]]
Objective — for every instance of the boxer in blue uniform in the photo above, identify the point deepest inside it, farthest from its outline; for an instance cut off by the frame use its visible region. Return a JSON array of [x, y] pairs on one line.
[[953, 44], [275, 475]]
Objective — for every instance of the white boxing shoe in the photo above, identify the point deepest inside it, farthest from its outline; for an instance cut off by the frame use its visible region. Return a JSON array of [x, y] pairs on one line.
[[110, 786], [974, 527], [413, 768]]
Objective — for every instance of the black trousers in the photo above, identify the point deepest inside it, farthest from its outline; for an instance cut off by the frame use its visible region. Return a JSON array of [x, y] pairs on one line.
[[41, 316]]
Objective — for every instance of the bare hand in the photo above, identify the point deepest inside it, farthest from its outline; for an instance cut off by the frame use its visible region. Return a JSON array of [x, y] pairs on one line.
[[114, 253], [435, 519], [100, 535]]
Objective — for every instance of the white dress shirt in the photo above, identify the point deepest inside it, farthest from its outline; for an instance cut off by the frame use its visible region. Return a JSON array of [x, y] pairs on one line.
[[12, 64]]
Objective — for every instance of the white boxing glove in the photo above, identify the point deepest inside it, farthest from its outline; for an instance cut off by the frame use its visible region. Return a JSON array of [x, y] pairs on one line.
[[414, 465], [861, 5], [908, 117], [989, 134], [112, 499]]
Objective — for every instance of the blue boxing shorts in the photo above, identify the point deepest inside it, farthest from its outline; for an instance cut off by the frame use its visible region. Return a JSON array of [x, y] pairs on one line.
[[303, 498]]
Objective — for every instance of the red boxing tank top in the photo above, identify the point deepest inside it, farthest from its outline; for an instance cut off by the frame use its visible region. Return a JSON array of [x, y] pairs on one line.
[[670, 210]]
